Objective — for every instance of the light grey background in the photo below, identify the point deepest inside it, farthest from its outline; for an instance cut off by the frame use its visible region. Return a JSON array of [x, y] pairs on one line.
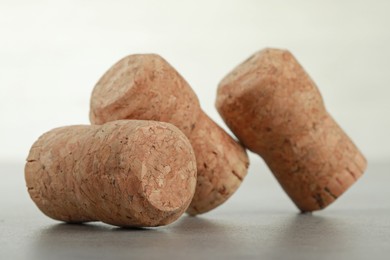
[[53, 52]]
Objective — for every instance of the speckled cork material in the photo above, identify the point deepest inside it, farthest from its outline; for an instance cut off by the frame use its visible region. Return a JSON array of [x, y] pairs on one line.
[[126, 173], [276, 111], [145, 86]]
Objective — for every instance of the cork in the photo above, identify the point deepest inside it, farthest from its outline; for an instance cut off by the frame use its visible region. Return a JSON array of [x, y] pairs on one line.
[[145, 86], [276, 110], [127, 173]]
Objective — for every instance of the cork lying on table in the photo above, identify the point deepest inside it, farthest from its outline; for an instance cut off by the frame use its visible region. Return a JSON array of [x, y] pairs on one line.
[[125, 173], [276, 110], [146, 87]]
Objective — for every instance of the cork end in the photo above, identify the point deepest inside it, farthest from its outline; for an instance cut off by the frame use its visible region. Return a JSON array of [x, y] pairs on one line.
[[339, 184], [109, 96], [165, 189], [168, 170]]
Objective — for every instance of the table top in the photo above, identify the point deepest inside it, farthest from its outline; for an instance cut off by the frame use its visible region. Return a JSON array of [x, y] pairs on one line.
[[258, 222]]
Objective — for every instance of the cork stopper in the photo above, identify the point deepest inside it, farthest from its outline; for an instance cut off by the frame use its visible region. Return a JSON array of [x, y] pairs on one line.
[[126, 173], [276, 110], [147, 87]]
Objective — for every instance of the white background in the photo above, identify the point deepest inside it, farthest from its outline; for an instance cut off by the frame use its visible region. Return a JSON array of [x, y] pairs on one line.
[[53, 52]]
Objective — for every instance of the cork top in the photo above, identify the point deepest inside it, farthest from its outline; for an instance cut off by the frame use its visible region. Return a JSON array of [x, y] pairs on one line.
[[117, 81], [274, 72], [117, 84], [168, 171], [144, 86]]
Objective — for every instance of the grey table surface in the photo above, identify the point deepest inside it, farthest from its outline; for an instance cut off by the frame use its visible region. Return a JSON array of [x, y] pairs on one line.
[[258, 222]]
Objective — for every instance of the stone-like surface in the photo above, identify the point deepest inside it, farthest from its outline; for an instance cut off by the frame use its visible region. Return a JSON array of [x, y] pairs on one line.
[[125, 173], [276, 111], [147, 87], [258, 222]]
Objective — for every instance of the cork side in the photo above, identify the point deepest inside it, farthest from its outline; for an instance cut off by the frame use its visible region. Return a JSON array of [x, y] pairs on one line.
[[317, 168], [222, 165], [267, 97], [127, 173], [275, 109], [52, 174]]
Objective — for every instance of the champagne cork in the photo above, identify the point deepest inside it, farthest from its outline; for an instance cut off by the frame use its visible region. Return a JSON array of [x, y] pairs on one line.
[[275, 109], [145, 86], [126, 173]]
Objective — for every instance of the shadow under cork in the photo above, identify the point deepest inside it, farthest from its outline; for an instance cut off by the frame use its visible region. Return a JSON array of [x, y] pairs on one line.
[[101, 241], [308, 236], [79, 241], [253, 235]]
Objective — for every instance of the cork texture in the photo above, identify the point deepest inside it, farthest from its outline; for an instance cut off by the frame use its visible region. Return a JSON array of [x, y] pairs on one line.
[[128, 173], [275, 109], [147, 87]]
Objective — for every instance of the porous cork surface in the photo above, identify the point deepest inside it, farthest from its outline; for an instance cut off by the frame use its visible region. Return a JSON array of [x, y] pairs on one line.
[[147, 87], [275, 109], [128, 173]]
